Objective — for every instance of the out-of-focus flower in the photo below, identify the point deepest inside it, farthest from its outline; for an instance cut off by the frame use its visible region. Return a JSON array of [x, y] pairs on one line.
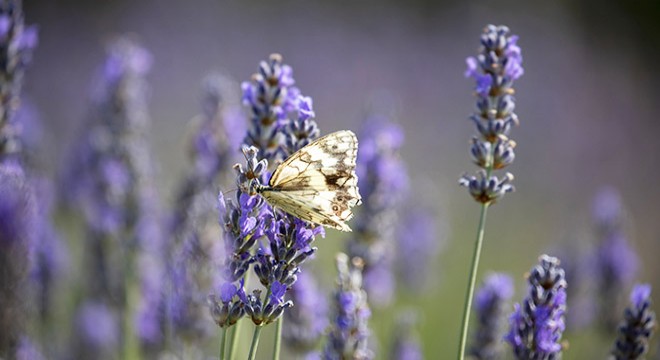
[[537, 323], [27, 350], [406, 344], [18, 212], [490, 302], [17, 42], [307, 320], [637, 326], [494, 70], [616, 263], [383, 182], [419, 241], [349, 328], [97, 330]]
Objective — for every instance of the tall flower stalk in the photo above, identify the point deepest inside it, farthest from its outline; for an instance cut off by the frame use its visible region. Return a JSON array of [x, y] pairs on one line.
[[349, 331], [383, 182], [637, 327], [494, 70], [537, 324], [274, 244], [112, 182]]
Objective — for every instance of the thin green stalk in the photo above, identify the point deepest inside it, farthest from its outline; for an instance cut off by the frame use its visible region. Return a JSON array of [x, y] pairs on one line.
[[255, 342], [278, 338], [473, 277], [237, 328], [223, 341]]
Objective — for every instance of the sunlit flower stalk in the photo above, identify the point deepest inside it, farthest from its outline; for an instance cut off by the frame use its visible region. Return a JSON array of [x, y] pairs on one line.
[[281, 122], [494, 70]]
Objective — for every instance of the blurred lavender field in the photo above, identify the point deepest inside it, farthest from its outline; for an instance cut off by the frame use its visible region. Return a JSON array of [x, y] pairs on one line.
[[587, 105]]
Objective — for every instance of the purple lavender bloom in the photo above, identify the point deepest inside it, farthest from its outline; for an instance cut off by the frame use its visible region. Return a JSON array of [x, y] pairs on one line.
[[406, 340], [490, 302], [97, 329], [383, 182], [616, 263], [307, 320], [212, 152], [419, 241], [349, 330], [27, 350], [17, 42], [18, 212], [50, 252], [637, 326], [538, 322], [494, 70], [270, 97]]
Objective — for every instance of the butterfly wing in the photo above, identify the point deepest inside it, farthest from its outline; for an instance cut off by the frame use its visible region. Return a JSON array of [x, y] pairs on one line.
[[318, 182]]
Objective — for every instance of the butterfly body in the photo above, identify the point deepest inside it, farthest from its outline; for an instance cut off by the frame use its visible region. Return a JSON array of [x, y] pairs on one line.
[[318, 183]]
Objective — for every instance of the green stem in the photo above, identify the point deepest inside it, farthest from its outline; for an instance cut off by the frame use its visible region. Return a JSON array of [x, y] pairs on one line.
[[278, 338], [223, 341], [237, 327], [473, 277], [255, 342]]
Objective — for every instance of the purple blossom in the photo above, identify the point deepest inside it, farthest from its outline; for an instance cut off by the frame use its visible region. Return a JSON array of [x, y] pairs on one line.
[[383, 183], [270, 97], [97, 327], [18, 217], [615, 263], [307, 320], [17, 42], [419, 241], [494, 69], [349, 330], [27, 350], [406, 344], [637, 327], [537, 323], [490, 302]]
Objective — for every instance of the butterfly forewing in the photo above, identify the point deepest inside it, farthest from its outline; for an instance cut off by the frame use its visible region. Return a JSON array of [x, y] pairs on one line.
[[318, 182]]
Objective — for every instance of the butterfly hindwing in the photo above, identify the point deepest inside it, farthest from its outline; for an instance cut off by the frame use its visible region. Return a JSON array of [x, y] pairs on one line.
[[318, 182]]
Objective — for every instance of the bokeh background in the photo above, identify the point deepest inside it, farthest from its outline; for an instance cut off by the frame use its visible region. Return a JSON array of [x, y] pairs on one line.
[[588, 105]]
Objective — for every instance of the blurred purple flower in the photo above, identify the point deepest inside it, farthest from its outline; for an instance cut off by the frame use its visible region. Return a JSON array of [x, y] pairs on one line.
[[490, 302], [17, 42], [419, 241], [406, 344], [637, 327], [307, 320], [18, 215], [97, 327], [616, 263], [538, 322], [383, 183], [349, 330], [27, 350]]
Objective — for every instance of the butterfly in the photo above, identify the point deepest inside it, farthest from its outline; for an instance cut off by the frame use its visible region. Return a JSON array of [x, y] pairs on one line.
[[318, 183]]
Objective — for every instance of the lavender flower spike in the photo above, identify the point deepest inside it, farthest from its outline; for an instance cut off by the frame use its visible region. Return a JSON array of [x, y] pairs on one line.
[[637, 326], [494, 70], [307, 320], [348, 337], [490, 302], [17, 43], [538, 322]]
